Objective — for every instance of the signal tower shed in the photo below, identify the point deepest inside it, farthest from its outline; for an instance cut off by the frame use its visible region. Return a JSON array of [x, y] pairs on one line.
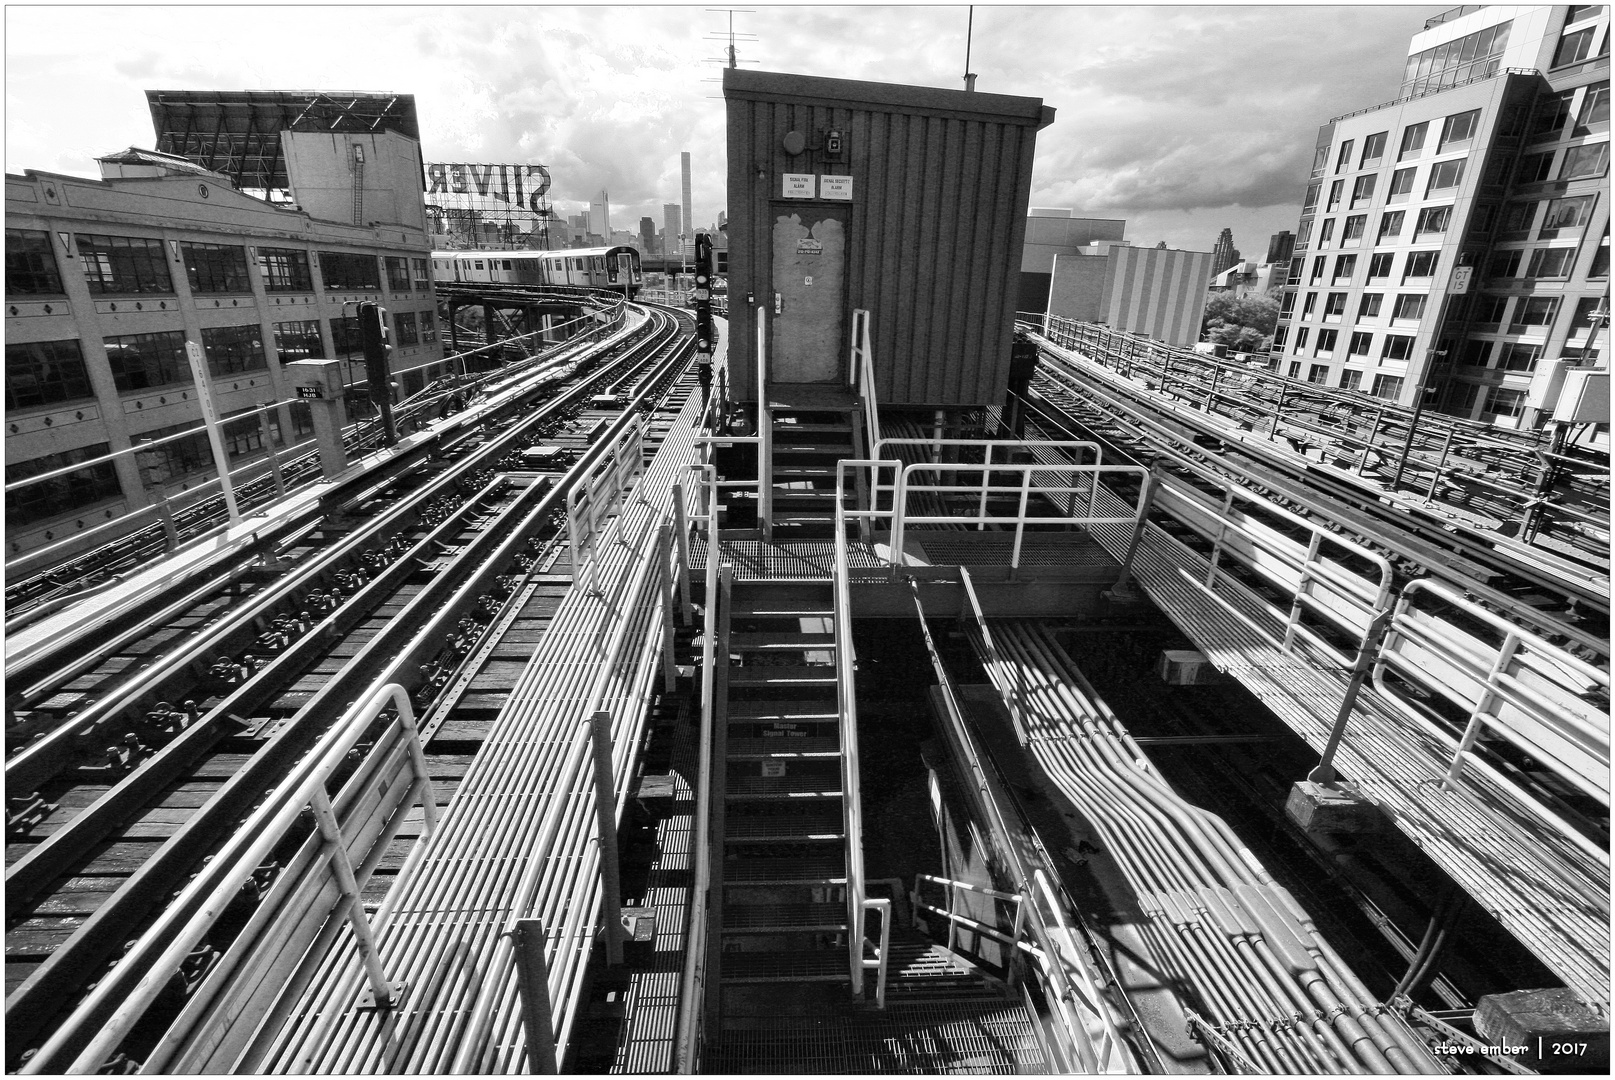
[[906, 201]]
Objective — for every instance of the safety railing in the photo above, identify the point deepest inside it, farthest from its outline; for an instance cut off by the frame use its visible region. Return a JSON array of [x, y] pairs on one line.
[[861, 374], [714, 419], [366, 814], [1549, 703], [1074, 451], [598, 496], [956, 922]]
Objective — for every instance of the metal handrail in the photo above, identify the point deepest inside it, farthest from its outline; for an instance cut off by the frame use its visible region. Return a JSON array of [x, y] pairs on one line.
[[861, 373], [765, 433]]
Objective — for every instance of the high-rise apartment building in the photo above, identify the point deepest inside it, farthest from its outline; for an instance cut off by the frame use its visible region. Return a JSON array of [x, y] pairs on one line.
[[1457, 237], [689, 214]]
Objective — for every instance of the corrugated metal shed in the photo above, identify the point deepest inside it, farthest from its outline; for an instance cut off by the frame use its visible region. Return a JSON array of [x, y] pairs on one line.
[[940, 185]]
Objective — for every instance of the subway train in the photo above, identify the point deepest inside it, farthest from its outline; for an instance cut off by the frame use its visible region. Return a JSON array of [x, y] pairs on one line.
[[616, 268]]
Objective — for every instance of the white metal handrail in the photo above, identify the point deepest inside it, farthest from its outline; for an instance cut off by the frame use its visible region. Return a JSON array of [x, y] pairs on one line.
[[861, 373], [1526, 689]]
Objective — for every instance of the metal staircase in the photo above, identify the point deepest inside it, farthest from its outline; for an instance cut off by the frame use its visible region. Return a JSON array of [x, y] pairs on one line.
[[807, 443]]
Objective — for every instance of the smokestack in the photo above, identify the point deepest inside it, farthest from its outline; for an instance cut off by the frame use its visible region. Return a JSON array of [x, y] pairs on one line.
[[689, 218]]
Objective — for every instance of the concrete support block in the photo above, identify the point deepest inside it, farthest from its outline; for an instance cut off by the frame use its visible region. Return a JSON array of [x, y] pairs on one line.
[[1333, 808], [1551, 1031]]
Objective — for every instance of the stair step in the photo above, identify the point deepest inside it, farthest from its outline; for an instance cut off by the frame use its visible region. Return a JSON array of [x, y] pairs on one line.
[[783, 675], [782, 712], [802, 600], [783, 747], [768, 918], [806, 821], [803, 870], [780, 641], [820, 965], [788, 786]]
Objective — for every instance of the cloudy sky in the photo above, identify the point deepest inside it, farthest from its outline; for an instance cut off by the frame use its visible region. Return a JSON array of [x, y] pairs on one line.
[[1181, 119]]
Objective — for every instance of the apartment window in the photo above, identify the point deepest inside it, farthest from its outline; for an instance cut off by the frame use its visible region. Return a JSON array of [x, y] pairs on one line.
[[1534, 311], [31, 264], [1326, 343], [1594, 115], [1585, 161], [234, 349], [1361, 342], [1343, 159], [1318, 373], [1379, 266], [1362, 191], [1579, 12], [1591, 311], [1476, 354], [216, 268], [1355, 226], [177, 458], [1388, 387], [1318, 262], [1576, 47], [1432, 221], [1458, 130], [1287, 305], [423, 274], [299, 340], [285, 270], [1498, 166], [346, 338], [1294, 276], [115, 265], [1518, 356], [142, 361], [1301, 340], [1535, 168], [404, 328], [1600, 266], [1294, 370], [1373, 150], [1473, 56], [1445, 175], [1280, 332], [1320, 160], [1334, 306], [1326, 233], [63, 494], [1369, 306], [1335, 190], [1550, 262], [1345, 266], [1310, 201], [1396, 347], [1481, 220], [44, 373], [1401, 184], [1412, 140], [1564, 214], [345, 270], [1351, 380], [1303, 235], [1421, 264], [1461, 397], [1409, 306], [1310, 306], [397, 273], [1552, 110], [428, 326], [1504, 264], [1489, 309], [1390, 226], [1501, 401]]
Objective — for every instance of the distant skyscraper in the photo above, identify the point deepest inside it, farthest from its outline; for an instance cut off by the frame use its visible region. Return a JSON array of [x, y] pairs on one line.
[[647, 234], [600, 216], [1280, 247], [1224, 254], [672, 225], [689, 217]]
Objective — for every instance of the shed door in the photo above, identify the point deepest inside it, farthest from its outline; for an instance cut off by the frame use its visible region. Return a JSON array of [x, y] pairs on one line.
[[810, 258]]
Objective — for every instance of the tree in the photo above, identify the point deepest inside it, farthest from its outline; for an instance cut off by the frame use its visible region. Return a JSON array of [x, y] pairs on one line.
[[1243, 323]]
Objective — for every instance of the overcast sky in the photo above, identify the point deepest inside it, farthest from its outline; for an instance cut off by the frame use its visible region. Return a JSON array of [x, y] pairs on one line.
[[1181, 119]]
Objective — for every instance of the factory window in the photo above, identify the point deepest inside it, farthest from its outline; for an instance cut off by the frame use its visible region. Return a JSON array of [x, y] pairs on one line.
[[1318, 373], [1489, 308], [62, 494], [1362, 191], [345, 270], [123, 264], [1355, 226], [1388, 387], [1318, 262], [1335, 306], [1351, 380], [1390, 227], [1343, 159], [1409, 306], [428, 327], [234, 349], [1564, 214], [1326, 233], [345, 335], [1518, 356], [1535, 168], [1373, 150], [1458, 130], [1501, 401], [285, 270], [1551, 262], [1583, 161], [1401, 185], [298, 340], [44, 373], [404, 328], [1379, 266], [1310, 200], [1345, 266], [1396, 347], [1533, 311], [1369, 306], [174, 459], [1476, 354], [216, 268], [423, 276], [31, 264], [1361, 342], [302, 419], [1310, 306], [246, 434], [1432, 220], [1576, 47], [1326, 344], [397, 273], [1287, 305], [1421, 264], [1445, 175], [1550, 114], [1594, 115], [1335, 190], [1473, 56], [142, 361], [1412, 140], [1504, 264]]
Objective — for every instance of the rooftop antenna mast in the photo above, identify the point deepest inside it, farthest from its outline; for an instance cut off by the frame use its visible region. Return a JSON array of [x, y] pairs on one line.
[[970, 26], [731, 58]]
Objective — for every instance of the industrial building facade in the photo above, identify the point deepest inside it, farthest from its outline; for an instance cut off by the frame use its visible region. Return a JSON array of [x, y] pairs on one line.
[[108, 280], [1457, 239]]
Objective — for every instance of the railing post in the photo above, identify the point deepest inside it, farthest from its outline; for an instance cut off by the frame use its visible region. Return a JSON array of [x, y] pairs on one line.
[[1278, 407], [1324, 771], [166, 513], [605, 812], [274, 458], [1368, 443], [532, 982], [331, 832], [1435, 477], [1488, 702], [1120, 591], [681, 535], [664, 553], [765, 434]]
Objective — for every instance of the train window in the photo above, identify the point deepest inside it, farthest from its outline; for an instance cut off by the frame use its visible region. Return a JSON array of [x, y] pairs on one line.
[[504, 264], [478, 264]]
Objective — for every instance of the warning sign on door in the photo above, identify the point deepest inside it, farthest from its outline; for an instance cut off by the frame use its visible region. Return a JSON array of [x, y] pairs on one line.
[[798, 186]]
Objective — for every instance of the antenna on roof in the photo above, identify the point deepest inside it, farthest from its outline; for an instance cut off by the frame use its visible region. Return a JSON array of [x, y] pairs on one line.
[[970, 26], [730, 59]]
